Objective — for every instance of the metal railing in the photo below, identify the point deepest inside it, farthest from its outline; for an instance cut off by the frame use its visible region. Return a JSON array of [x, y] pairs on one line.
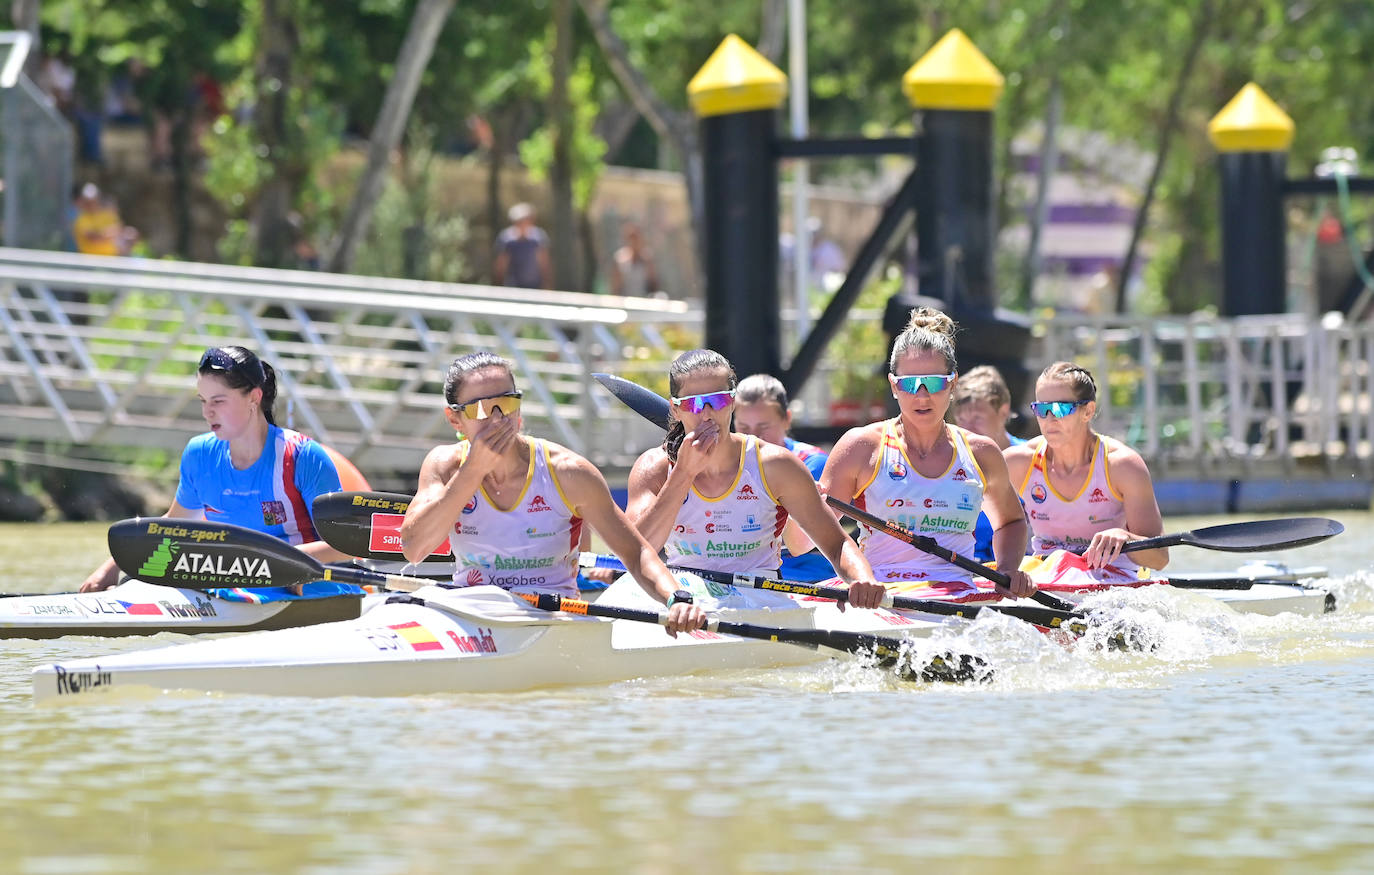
[[1205, 389], [102, 351], [99, 352]]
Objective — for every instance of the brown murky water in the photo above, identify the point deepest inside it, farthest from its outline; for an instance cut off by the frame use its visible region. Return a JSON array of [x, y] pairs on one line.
[[1242, 745]]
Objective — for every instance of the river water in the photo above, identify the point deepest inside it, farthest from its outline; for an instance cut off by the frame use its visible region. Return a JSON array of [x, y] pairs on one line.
[[1242, 744]]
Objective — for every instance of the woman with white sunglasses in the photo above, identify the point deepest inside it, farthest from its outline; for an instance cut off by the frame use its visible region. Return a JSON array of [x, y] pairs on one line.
[[1084, 492], [927, 476], [715, 499], [512, 507]]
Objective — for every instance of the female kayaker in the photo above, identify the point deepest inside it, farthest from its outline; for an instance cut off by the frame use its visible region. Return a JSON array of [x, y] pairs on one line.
[[980, 402], [761, 410], [929, 477], [714, 499], [1084, 492], [512, 506], [246, 470]]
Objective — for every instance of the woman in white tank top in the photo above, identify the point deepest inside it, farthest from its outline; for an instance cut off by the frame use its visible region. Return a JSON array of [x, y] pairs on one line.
[[715, 499], [927, 476], [513, 506], [1084, 492]]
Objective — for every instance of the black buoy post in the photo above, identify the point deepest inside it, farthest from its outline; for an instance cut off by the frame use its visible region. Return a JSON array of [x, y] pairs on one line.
[[1252, 135], [736, 94], [954, 89]]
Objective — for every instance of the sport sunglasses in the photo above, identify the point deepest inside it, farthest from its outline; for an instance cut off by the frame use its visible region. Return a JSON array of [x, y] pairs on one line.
[[218, 359], [1057, 409], [480, 408], [695, 404], [932, 383]]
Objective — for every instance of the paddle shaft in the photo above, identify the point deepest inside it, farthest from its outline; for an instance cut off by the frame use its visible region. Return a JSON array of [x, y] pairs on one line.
[[927, 544], [1044, 617]]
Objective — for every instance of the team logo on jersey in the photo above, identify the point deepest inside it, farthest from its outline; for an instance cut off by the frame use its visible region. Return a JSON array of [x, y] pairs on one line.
[[750, 524], [1038, 494], [474, 577], [538, 504], [897, 471], [935, 502], [746, 493], [964, 502], [209, 509], [898, 502], [273, 513], [1098, 496], [713, 528], [471, 505], [960, 474], [1038, 515], [684, 530]]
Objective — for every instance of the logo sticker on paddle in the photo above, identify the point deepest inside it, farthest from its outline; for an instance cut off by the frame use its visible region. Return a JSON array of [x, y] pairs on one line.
[[192, 565], [384, 535]]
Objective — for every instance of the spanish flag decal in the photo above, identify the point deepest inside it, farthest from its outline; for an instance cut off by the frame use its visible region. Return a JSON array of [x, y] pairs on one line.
[[417, 636]]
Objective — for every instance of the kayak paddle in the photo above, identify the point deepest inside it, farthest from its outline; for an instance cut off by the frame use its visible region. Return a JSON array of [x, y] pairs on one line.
[[927, 544], [647, 403], [1247, 537], [368, 525], [1046, 618]]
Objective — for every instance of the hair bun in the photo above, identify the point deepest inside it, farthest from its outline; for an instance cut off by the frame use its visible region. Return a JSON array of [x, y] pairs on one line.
[[931, 320]]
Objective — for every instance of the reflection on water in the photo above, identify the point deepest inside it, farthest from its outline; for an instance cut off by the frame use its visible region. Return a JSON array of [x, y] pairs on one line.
[[1240, 744]]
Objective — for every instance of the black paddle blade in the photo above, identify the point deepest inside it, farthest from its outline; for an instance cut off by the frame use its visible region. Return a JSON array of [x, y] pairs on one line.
[[368, 524], [1263, 534], [648, 404], [204, 555]]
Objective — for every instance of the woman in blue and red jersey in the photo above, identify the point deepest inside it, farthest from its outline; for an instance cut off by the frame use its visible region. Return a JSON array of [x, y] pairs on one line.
[[246, 470]]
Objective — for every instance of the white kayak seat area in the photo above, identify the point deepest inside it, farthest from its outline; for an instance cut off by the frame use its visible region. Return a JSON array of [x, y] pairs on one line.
[[489, 604], [736, 604]]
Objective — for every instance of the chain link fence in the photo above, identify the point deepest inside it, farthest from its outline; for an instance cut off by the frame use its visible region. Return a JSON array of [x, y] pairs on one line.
[[36, 145]]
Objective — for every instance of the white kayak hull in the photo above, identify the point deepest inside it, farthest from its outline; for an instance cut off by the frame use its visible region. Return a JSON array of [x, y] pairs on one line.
[[484, 641], [138, 608]]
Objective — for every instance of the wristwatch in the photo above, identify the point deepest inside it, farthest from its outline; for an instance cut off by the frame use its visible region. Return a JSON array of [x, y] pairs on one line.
[[682, 595]]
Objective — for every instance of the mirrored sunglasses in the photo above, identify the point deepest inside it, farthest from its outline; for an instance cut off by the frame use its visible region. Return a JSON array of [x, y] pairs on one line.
[[480, 408], [932, 383], [695, 404], [1057, 409]]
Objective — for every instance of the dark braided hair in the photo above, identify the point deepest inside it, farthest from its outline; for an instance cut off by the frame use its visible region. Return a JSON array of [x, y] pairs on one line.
[[240, 369], [684, 366]]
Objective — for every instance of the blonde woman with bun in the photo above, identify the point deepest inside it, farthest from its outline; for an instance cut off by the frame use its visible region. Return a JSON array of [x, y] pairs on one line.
[[928, 476]]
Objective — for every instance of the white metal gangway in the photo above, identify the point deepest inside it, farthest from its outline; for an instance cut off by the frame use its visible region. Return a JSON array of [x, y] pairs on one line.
[[1202, 391], [101, 351]]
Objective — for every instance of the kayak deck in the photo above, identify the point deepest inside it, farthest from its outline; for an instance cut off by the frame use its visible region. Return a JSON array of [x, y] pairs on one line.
[[138, 608]]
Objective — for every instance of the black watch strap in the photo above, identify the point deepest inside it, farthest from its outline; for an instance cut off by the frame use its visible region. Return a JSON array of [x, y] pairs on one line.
[[681, 595]]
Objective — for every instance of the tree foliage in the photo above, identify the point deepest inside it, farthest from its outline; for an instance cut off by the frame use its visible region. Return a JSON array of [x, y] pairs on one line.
[[1116, 65]]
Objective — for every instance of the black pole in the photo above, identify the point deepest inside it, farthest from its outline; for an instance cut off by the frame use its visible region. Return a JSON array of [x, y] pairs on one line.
[[1254, 266], [743, 322], [954, 211]]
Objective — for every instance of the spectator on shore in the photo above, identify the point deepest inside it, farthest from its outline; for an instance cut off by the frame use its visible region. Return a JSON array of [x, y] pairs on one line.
[[634, 272], [522, 252], [57, 78], [828, 262], [97, 228]]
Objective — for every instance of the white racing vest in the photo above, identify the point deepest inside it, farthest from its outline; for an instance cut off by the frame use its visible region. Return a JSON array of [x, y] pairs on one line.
[[943, 507], [738, 531], [532, 547], [1061, 522]]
